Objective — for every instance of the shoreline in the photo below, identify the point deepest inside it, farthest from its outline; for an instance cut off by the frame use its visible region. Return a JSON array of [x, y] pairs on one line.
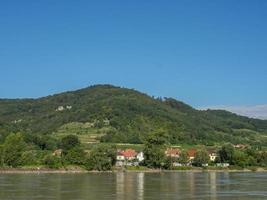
[[63, 171]]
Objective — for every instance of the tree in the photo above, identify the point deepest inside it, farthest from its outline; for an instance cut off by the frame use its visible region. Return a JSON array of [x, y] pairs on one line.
[[262, 158], [101, 158], [183, 159], [75, 156], [68, 142], [201, 158], [154, 150], [1, 156], [13, 148], [28, 158], [168, 164], [52, 162], [226, 153], [239, 159]]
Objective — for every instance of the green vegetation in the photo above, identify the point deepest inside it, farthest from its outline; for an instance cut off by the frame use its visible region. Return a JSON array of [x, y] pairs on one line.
[[201, 158], [78, 122], [13, 149], [154, 150], [117, 115], [102, 158]]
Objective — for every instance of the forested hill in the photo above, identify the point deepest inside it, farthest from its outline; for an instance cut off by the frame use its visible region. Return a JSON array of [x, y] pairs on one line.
[[125, 115]]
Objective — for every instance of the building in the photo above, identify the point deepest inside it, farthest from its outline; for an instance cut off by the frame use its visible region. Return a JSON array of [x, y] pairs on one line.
[[60, 108], [191, 154], [213, 155], [128, 157], [140, 157], [129, 154], [173, 152]]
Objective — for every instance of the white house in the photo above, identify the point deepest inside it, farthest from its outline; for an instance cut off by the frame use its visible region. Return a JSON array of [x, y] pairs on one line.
[[140, 157]]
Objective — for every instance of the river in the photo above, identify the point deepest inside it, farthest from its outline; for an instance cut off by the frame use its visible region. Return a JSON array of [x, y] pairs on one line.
[[132, 185]]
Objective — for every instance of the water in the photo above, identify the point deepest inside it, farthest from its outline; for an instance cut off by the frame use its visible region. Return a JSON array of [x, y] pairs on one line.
[[123, 186]]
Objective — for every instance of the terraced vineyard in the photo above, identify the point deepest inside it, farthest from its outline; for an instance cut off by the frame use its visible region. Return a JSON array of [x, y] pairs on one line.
[[86, 132]]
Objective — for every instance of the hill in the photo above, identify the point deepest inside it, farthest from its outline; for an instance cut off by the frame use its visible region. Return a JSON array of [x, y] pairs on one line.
[[121, 115]]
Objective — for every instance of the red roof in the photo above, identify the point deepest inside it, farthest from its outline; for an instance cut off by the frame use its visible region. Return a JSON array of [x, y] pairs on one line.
[[128, 153], [173, 152], [192, 152]]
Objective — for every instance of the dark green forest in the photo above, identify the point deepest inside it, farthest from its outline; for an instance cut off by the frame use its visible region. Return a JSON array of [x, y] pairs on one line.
[[121, 115]]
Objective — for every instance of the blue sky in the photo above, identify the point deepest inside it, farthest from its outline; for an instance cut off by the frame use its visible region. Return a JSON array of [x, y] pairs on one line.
[[206, 53]]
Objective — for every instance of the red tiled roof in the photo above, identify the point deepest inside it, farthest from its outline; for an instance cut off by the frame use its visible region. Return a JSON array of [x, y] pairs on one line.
[[172, 152], [128, 153], [192, 152]]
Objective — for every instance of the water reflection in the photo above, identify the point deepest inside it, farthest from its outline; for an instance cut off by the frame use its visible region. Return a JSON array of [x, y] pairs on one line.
[[130, 186], [140, 186]]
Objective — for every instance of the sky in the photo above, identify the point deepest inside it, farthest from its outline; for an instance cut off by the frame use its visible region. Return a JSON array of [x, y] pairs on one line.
[[209, 53]]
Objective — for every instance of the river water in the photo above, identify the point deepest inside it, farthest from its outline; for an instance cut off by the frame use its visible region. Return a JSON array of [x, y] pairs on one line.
[[131, 185]]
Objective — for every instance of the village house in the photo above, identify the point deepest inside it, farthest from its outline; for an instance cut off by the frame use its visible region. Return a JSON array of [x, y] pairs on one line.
[[140, 157], [129, 157], [191, 154], [173, 152], [212, 155], [60, 108]]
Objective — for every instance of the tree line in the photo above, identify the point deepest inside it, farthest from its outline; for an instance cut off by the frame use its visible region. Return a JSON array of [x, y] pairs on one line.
[[20, 150]]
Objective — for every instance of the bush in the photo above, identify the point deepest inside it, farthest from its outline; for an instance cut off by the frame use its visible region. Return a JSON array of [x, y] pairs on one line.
[[75, 156], [69, 142], [28, 158], [101, 158], [202, 157], [13, 148], [52, 162]]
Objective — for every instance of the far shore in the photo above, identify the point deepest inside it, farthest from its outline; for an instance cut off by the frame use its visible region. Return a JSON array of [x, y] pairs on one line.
[[63, 171]]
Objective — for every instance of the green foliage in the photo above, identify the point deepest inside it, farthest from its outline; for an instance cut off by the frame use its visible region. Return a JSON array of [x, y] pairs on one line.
[[13, 148], [168, 163], [183, 159], [44, 142], [101, 158], [226, 154], [1, 156], [53, 162], [201, 158], [154, 150], [128, 116], [69, 142], [240, 159], [262, 159], [28, 158], [75, 156]]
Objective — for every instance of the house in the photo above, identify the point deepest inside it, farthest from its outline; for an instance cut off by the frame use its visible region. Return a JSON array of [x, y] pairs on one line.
[[140, 157], [128, 157], [192, 154], [69, 107], [173, 152], [213, 155], [129, 154], [120, 157], [60, 108]]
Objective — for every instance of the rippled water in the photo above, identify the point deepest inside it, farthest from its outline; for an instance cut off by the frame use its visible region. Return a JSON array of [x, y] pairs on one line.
[[169, 185]]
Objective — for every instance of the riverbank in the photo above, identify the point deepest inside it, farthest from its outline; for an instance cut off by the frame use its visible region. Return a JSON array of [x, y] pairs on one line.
[[80, 171]]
